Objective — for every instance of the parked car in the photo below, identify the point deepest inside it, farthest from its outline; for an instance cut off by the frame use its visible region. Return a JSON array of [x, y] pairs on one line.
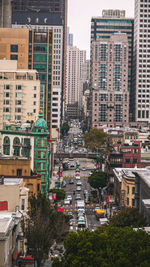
[[69, 197], [78, 188], [66, 202], [77, 177], [79, 182], [78, 196]]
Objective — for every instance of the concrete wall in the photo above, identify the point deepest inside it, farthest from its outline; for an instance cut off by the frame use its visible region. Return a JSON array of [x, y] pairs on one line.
[[5, 13]]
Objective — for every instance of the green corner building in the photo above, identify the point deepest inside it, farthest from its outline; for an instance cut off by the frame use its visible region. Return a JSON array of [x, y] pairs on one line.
[[29, 141]]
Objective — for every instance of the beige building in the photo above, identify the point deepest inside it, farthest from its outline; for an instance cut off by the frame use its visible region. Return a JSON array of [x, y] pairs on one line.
[[14, 45], [19, 93], [14, 194]]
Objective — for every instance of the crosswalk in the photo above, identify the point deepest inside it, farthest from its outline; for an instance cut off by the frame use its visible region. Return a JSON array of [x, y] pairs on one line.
[[74, 207]]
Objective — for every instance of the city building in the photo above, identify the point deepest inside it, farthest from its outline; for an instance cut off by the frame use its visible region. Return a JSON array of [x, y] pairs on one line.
[[69, 38], [19, 93], [75, 59], [104, 28], [13, 194], [11, 238], [41, 16], [20, 167], [141, 69], [5, 13], [124, 187], [110, 96], [14, 45], [142, 192], [29, 140]]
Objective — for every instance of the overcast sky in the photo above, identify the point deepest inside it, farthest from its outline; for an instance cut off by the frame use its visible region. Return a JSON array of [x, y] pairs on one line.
[[81, 11]]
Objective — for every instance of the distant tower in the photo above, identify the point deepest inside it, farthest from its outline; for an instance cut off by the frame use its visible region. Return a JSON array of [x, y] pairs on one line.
[[5, 13]]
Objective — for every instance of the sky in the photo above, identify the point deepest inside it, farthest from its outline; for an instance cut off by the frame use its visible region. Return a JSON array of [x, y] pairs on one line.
[[81, 11]]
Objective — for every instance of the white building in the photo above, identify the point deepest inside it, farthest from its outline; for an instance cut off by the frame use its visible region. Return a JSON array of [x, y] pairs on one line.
[[75, 59], [142, 61]]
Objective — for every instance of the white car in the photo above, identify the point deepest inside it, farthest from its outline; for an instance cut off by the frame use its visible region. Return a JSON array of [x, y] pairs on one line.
[[69, 197], [77, 177], [79, 182], [78, 188], [66, 202]]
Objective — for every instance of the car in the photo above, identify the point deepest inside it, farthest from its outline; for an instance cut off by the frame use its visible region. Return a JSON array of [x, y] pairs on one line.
[[66, 202], [79, 182], [69, 197], [70, 214], [77, 177], [83, 169], [71, 181], [63, 184], [77, 170], [78, 196], [78, 188]]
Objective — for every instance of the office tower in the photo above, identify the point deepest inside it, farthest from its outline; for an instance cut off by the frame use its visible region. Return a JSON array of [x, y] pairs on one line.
[[69, 38], [75, 59], [110, 96], [141, 82], [84, 81], [5, 13], [102, 28], [41, 16], [19, 93]]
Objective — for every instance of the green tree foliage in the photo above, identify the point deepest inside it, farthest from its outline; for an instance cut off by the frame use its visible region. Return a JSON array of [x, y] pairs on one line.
[[96, 139], [60, 193], [106, 247], [65, 128], [42, 226], [128, 217], [98, 179]]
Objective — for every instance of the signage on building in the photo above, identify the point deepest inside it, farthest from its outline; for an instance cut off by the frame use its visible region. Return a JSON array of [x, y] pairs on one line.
[[54, 196]]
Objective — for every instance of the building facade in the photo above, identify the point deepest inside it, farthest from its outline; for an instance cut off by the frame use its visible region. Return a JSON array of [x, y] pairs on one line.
[[5, 13], [29, 141], [110, 96], [75, 59], [102, 28], [14, 45], [19, 93], [141, 75], [43, 15]]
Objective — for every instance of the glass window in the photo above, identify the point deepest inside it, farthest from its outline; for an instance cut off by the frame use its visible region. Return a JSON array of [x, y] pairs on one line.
[[19, 95], [18, 87], [14, 57], [14, 48], [6, 145]]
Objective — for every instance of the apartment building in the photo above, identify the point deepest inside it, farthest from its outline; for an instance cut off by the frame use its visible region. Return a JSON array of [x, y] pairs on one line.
[[141, 75], [19, 93], [102, 28], [109, 86], [75, 59]]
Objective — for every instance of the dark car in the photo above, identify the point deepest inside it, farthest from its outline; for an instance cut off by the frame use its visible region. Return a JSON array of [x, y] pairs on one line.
[[71, 181]]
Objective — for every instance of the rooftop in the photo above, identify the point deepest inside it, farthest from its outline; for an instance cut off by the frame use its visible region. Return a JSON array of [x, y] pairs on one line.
[[128, 173], [145, 175]]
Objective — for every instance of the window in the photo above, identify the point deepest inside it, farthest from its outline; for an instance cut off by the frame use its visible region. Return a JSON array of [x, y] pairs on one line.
[[38, 187], [34, 95], [39, 154], [14, 48], [127, 201], [16, 146], [18, 87], [14, 57], [19, 95], [127, 160], [128, 190], [23, 204], [34, 103], [133, 190], [34, 87], [7, 86], [6, 145], [6, 94], [19, 172], [133, 202]]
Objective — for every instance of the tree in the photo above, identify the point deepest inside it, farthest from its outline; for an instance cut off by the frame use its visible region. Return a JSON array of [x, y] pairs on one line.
[[96, 139], [42, 226], [106, 247], [65, 128], [128, 217], [98, 179], [60, 193]]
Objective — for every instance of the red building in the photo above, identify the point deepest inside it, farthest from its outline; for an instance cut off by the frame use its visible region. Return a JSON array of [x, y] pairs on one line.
[[130, 154]]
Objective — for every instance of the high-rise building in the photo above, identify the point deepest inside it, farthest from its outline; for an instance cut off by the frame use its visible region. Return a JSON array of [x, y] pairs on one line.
[[110, 96], [69, 38], [75, 59], [141, 75], [19, 93], [102, 28], [41, 17], [5, 13]]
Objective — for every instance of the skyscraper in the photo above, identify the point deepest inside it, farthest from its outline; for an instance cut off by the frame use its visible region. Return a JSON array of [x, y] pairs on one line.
[[111, 23], [5, 13], [141, 100], [40, 17]]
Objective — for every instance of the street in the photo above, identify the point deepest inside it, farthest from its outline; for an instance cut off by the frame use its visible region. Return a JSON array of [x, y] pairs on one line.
[[91, 222]]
